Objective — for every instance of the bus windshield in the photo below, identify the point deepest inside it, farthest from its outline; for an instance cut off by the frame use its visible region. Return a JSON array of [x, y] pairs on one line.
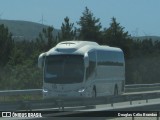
[[64, 69]]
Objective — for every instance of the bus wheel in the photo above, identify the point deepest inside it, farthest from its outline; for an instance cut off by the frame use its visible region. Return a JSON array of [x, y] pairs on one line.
[[94, 93], [116, 91]]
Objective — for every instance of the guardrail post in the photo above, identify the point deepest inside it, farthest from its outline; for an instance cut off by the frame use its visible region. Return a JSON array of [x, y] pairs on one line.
[[60, 105], [130, 102], [145, 98], [112, 104]]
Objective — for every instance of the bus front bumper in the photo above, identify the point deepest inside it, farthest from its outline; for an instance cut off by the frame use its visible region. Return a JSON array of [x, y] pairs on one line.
[[79, 93]]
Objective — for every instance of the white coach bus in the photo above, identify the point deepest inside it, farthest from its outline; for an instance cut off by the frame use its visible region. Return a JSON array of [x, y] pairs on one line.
[[82, 69]]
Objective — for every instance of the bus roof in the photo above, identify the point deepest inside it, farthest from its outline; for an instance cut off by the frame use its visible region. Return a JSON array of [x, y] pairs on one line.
[[78, 47]]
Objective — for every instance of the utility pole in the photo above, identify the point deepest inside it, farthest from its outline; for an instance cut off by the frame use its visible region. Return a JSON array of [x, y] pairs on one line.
[[42, 20]]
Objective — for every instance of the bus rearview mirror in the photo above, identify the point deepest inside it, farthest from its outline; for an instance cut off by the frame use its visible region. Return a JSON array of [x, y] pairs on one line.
[[41, 60]]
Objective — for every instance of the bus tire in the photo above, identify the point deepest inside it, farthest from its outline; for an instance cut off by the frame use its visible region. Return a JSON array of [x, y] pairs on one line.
[[94, 93], [115, 90]]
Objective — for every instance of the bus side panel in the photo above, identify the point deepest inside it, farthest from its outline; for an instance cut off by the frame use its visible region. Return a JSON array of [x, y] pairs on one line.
[[107, 78], [110, 72]]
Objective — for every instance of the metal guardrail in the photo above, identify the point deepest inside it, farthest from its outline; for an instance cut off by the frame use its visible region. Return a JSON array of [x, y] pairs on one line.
[[76, 102], [62, 103], [149, 110], [21, 92], [128, 88], [142, 87]]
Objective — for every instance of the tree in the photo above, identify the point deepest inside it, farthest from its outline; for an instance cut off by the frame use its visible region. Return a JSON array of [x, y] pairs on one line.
[[48, 33], [6, 44], [147, 46], [89, 26], [46, 40], [157, 45], [67, 32], [116, 37]]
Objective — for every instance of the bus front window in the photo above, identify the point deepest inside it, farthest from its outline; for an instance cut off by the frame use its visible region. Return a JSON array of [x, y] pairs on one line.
[[64, 69]]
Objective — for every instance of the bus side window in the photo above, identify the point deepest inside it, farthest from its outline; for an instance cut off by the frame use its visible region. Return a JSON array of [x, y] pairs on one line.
[[92, 65]]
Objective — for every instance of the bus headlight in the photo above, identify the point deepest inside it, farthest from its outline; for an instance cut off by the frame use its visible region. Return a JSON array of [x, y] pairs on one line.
[[45, 91], [81, 90]]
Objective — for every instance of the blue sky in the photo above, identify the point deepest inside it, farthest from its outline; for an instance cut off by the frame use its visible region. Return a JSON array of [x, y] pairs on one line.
[[139, 17]]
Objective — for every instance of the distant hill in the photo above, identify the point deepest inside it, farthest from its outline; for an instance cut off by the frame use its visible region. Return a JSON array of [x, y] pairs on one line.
[[24, 29], [30, 30]]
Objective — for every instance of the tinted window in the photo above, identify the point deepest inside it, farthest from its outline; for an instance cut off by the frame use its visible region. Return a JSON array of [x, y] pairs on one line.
[[64, 69], [111, 58]]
